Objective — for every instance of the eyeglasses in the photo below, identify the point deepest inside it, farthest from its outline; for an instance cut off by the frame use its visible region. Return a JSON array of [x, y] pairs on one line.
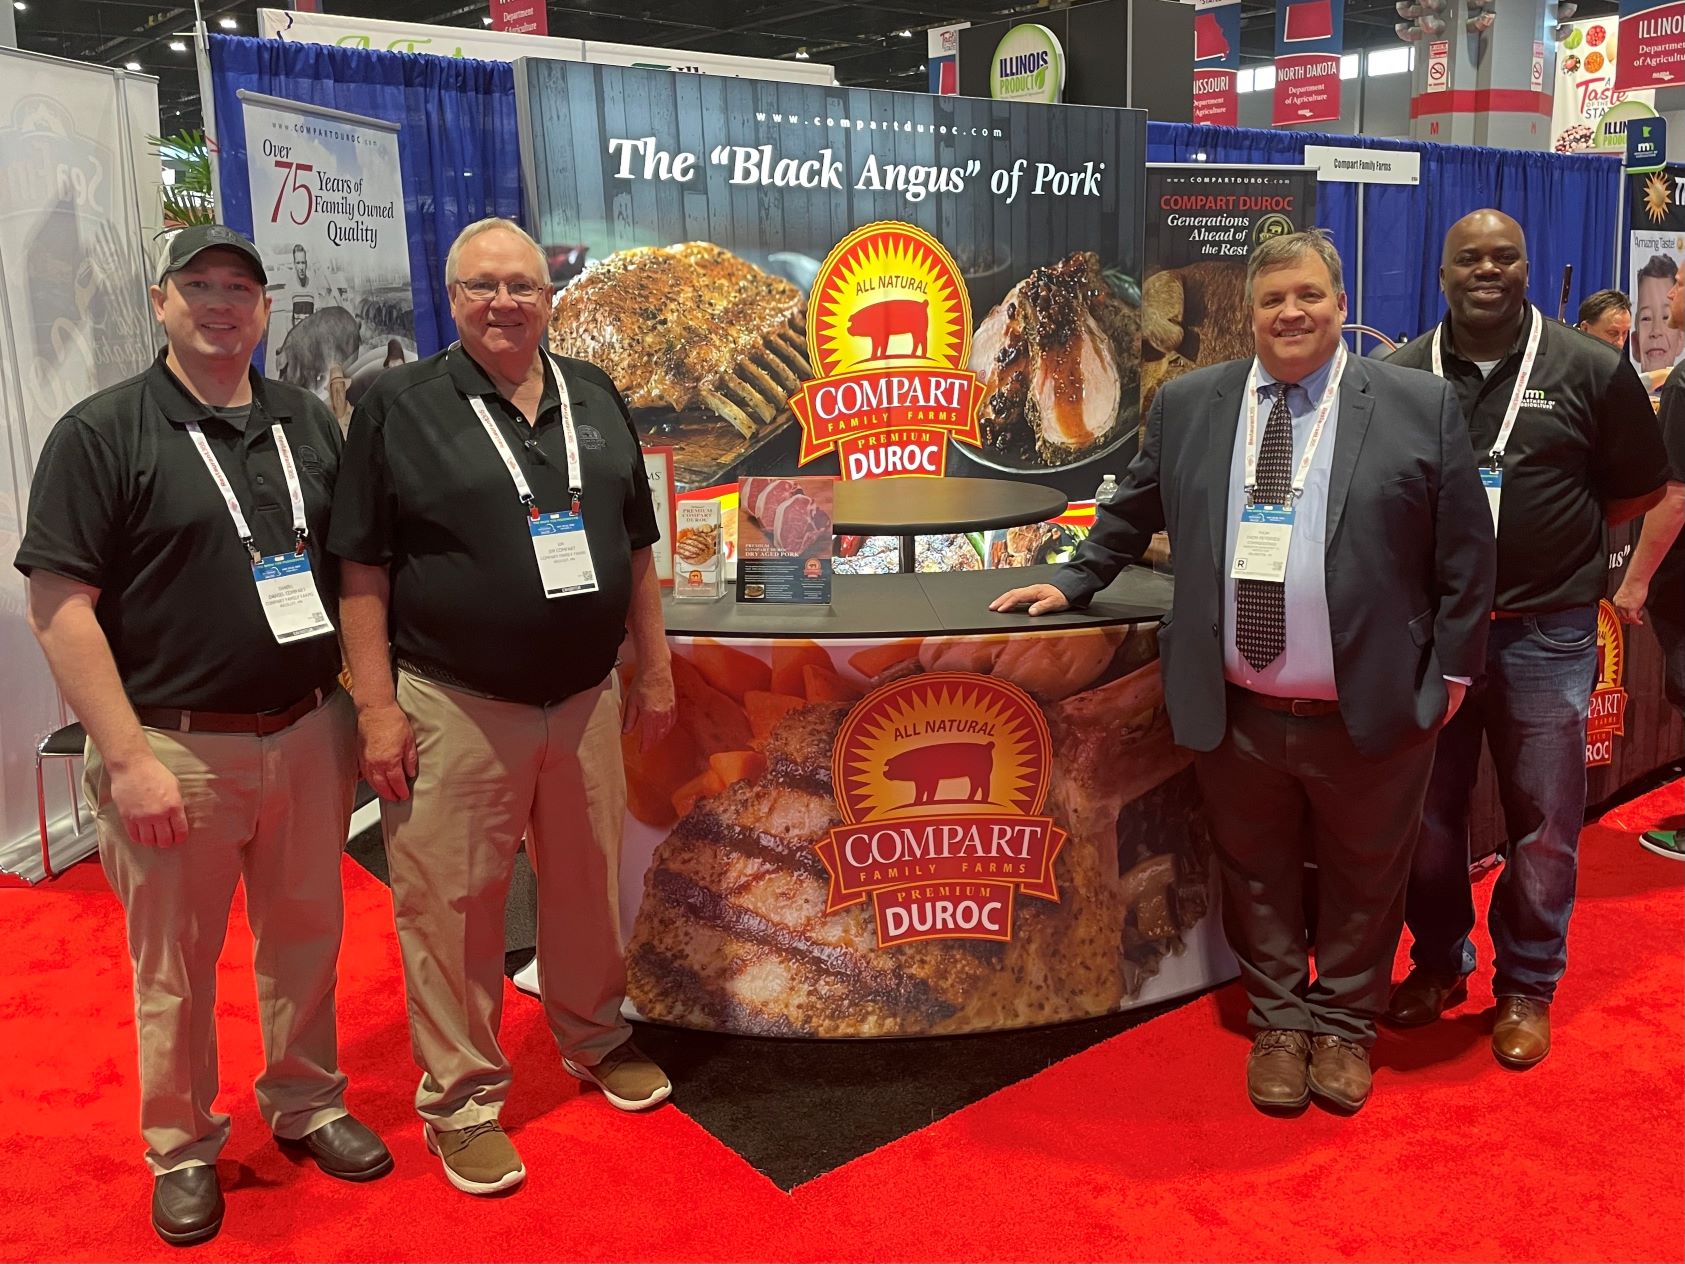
[[482, 291]]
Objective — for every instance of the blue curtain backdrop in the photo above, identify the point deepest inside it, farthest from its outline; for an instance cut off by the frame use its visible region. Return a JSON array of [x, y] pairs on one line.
[[1565, 204], [457, 141]]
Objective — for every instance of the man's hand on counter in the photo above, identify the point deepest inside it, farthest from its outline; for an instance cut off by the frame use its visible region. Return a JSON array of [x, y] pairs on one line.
[[1040, 598]]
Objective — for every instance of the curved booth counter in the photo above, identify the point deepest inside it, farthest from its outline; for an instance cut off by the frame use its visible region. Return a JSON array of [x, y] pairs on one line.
[[904, 815]]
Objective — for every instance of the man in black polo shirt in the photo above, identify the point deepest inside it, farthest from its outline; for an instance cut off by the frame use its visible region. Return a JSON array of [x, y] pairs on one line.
[[495, 525], [1566, 440], [180, 587], [1653, 585]]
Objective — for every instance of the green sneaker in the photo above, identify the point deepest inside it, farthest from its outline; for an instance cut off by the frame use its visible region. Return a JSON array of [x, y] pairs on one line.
[[1663, 843]]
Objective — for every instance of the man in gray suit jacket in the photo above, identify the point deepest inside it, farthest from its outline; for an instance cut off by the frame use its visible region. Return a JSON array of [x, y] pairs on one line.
[[1334, 571]]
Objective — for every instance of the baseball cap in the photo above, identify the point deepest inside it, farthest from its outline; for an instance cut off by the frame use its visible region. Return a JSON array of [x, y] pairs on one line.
[[187, 244]]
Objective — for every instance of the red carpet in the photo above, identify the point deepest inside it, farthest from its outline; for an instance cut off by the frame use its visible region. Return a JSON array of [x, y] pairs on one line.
[[1141, 1148]]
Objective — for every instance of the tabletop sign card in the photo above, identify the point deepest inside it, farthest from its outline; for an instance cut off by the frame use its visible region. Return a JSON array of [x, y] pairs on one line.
[[698, 564], [785, 540], [658, 470]]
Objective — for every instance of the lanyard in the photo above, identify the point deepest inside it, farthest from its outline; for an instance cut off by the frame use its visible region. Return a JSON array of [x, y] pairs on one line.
[[576, 479], [1330, 393], [289, 470], [1521, 379]]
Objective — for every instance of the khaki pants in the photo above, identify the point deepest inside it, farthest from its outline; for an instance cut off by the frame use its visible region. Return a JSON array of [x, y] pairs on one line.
[[491, 772], [275, 810]]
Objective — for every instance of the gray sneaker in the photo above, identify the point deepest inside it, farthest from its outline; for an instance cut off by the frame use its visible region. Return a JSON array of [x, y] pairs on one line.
[[629, 1080], [479, 1159]]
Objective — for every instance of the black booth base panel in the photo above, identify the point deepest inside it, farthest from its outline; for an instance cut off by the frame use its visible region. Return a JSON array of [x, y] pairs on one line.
[[796, 1109]]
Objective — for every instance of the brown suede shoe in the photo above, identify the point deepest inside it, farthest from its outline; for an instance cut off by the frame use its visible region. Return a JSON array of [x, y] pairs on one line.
[[1339, 1072], [1521, 1032], [1275, 1070], [1424, 996]]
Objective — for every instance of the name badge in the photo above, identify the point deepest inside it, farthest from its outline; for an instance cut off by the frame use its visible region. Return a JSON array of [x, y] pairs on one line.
[[563, 553], [1493, 481], [287, 589], [1260, 550]]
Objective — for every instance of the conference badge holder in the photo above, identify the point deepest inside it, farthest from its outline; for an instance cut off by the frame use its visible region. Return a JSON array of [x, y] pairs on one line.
[[1492, 479], [1492, 473], [286, 585]]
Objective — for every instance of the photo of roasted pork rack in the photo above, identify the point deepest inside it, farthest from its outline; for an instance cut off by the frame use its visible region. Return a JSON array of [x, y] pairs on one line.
[[687, 326]]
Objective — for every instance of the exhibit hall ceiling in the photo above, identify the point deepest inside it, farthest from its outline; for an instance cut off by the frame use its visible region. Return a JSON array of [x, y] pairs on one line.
[[871, 45]]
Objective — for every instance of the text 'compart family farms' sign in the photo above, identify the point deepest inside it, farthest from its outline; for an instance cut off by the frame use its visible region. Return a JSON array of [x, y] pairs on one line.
[[1216, 62], [889, 329], [1652, 44], [1309, 39], [941, 779]]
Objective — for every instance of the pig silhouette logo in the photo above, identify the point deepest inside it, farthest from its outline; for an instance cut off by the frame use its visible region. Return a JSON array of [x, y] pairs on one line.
[[928, 767], [891, 318]]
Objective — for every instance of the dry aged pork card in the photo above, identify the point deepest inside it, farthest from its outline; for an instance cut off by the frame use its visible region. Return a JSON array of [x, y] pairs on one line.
[[785, 539]]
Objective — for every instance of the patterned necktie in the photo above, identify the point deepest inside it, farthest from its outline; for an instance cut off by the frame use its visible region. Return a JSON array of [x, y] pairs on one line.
[[1260, 606]]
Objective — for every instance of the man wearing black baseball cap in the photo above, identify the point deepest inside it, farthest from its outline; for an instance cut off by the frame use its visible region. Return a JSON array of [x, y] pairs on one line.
[[180, 589]]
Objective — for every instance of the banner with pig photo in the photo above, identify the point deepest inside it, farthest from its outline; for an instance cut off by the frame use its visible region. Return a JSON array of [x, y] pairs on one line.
[[921, 836], [791, 279], [1203, 221], [327, 206]]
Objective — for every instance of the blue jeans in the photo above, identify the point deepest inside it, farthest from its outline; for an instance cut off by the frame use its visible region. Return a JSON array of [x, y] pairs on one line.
[[1531, 707]]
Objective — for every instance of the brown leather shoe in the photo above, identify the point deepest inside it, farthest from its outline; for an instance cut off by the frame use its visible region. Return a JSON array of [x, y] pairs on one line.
[[187, 1205], [1521, 1032], [1275, 1070], [1339, 1072], [344, 1148], [1424, 996]]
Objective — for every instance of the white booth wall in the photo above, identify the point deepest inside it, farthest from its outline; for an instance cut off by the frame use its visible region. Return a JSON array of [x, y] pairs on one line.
[[80, 208]]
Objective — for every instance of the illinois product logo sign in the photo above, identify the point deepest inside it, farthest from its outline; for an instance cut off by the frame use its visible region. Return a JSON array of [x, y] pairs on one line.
[[889, 329], [942, 780], [1606, 719]]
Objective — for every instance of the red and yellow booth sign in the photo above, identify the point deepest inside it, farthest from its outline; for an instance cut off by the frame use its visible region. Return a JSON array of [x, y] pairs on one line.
[[1606, 719], [941, 779], [889, 330]]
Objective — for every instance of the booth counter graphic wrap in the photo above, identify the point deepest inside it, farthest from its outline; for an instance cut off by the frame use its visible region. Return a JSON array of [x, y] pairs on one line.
[[720, 223], [1606, 719], [1203, 221], [921, 836], [328, 216]]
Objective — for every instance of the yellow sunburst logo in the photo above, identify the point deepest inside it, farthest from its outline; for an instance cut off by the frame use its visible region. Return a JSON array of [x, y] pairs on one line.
[[1658, 197], [943, 743], [1611, 647], [888, 296]]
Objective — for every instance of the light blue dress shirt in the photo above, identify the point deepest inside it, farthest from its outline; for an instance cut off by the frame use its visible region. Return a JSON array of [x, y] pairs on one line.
[[1306, 667]]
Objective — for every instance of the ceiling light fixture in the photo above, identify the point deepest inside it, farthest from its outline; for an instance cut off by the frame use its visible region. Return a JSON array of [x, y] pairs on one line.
[[178, 46], [801, 54], [228, 24], [131, 65], [19, 5], [485, 20], [905, 34]]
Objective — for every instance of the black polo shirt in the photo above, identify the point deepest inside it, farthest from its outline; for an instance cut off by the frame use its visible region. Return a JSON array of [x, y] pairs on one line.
[[1670, 575], [426, 494], [121, 501], [1586, 435]]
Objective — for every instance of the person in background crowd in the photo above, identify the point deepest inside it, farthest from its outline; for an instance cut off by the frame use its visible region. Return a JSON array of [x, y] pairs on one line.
[[1607, 315], [1657, 344], [1308, 673], [493, 517], [1566, 438], [219, 744], [1653, 587]]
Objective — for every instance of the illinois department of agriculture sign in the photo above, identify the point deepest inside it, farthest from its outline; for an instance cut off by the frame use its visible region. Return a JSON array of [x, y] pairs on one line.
[[1028, 65]]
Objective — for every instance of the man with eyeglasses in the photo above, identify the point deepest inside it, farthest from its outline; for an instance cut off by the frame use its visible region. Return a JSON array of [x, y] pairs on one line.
[[494, 525], [180, 585]]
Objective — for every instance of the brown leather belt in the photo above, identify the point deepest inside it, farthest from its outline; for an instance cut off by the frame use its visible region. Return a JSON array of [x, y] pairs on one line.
[[261, 724], [1305, 708]]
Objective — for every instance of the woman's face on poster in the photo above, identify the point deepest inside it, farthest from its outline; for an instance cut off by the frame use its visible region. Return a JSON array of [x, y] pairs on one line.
[[1657, 345]]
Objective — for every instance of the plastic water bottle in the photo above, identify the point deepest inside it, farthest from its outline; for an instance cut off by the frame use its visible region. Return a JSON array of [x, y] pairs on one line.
[[1106, 491]]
